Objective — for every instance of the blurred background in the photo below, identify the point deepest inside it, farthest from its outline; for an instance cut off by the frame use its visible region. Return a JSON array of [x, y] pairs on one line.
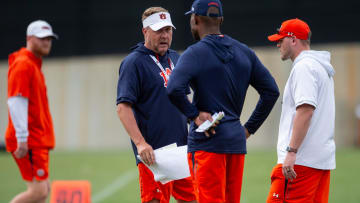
[[82, 70]]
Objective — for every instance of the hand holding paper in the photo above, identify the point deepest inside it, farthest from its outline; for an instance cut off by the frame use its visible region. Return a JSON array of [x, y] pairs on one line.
[[170, 163], [207, 124]]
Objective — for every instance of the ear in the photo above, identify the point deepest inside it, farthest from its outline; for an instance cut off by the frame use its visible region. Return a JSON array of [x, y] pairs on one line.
[[196, 19], [222, 20], [144, 30]]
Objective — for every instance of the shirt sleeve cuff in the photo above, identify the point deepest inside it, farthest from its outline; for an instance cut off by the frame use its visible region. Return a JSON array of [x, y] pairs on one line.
[[193, 115], [125, 99], [249, 128], [309, 102], [22, 137]]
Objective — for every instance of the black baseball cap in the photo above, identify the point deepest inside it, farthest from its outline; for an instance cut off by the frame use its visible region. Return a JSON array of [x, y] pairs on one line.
[[201, 8]]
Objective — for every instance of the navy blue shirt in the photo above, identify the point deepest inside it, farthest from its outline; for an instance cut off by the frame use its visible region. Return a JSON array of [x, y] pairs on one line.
[[142, 85], [220, 69]]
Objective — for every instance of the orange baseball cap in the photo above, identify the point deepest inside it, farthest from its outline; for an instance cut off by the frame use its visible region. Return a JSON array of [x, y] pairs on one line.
[[293, 27]]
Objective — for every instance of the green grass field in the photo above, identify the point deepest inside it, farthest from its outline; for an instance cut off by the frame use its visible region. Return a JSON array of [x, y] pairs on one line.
[[113, 175]]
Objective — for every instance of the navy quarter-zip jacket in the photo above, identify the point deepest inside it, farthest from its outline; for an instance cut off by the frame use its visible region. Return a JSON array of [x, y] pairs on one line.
[[220, 69]]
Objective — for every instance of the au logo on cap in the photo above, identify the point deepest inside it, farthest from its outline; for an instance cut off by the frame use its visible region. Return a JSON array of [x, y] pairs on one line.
[[162, 16]]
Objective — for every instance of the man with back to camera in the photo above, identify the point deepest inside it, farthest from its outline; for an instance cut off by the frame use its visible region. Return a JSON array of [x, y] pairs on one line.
[[219, 69], [30, 133], [306, 147], [144, 108]]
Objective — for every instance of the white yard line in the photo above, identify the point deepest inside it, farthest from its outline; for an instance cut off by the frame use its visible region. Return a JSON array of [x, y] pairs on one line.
[[116, 185]]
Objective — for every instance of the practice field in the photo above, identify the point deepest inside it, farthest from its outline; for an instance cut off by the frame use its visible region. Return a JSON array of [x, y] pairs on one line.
[[114, 176]]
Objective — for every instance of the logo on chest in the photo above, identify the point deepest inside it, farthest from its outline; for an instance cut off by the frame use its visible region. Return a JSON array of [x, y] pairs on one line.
[[165, 76], [164, 73]]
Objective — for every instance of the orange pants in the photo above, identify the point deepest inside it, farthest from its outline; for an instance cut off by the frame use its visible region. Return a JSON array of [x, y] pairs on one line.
[[149, 189], [34, 165], [310, 186], [216, 177]]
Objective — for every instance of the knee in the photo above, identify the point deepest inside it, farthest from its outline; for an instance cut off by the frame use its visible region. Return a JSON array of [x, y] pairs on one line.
[[43, 193], [40, 192]]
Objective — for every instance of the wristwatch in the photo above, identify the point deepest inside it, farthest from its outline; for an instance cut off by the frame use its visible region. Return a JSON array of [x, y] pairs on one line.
[[289, 149]]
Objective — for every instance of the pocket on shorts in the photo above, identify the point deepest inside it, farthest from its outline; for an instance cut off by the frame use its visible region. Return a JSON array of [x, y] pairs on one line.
[[277, 189], [276, 173]]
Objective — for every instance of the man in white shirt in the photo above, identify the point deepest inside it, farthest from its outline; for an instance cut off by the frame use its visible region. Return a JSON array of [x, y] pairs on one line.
[[306, 147]]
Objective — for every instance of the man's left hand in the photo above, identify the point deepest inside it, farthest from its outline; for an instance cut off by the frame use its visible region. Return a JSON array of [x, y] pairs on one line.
[[288, 166], [21, 150], [247, 134], [203, 116]]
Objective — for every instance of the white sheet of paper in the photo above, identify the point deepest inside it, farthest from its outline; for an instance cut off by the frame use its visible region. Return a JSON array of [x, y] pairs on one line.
[[173, 145], [207, 124], [170, 164]]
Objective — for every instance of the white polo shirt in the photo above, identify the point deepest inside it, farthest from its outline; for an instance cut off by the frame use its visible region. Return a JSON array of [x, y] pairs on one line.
[[310, 82]]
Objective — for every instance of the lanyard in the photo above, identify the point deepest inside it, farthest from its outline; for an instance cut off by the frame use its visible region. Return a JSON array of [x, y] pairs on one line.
[[161, 67]]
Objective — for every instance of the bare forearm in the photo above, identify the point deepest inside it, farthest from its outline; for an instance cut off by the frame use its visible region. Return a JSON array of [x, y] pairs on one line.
[[301, 125], [127, 118]]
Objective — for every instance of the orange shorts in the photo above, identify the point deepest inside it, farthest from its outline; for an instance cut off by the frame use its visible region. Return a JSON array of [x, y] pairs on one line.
[[34, 165], [216, 177], [310, 186], [149, 189]]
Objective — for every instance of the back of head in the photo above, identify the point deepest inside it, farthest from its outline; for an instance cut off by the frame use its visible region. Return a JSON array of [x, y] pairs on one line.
[[209, 11], [209, 8], [211, 21], [212, 18]]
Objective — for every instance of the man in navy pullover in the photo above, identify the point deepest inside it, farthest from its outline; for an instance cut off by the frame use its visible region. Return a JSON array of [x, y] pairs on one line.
[[145, 110], [219, 69]]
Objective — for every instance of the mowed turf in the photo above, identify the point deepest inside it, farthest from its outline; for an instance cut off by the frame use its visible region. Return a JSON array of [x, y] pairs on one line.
[[105, 170]]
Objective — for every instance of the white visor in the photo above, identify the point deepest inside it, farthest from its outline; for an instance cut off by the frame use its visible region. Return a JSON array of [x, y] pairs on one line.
[[158, 20]]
